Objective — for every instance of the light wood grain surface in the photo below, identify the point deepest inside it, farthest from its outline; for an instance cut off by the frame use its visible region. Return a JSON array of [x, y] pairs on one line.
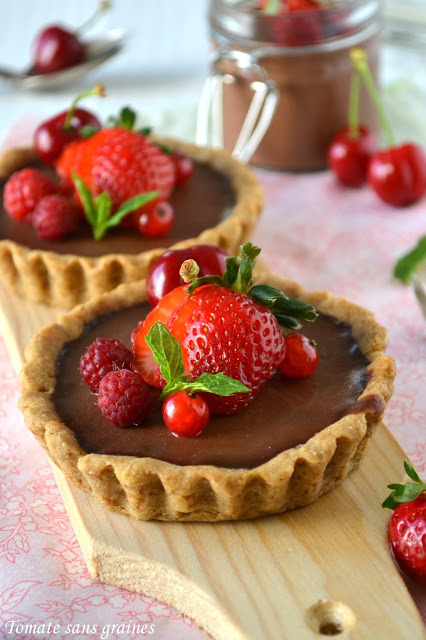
[[322, 570]]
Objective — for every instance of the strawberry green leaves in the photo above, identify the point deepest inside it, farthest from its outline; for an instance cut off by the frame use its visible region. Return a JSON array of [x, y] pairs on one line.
[[167, 353], [238, 276], [288, 311], [405, 492], [98, 210]]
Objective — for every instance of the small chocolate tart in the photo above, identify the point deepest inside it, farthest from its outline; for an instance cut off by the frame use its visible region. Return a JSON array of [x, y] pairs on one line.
[[295, 441], [288, 411], [219, 205]]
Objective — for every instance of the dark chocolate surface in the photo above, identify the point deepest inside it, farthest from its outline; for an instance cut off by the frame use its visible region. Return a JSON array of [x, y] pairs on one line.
[[286, 413], [200, 203]]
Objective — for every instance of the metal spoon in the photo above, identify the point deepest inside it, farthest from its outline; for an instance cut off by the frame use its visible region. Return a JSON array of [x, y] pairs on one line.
[[98, 50]]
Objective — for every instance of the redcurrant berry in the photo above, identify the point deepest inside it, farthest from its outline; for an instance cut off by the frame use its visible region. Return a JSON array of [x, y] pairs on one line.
[[301, 356], [185, 415]]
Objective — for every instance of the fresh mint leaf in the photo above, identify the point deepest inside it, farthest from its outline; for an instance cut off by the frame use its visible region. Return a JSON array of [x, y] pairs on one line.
[[218, 383], [98, 210], [131, 205], [86, 199], [409, 263], [103, 205], [166, 352]]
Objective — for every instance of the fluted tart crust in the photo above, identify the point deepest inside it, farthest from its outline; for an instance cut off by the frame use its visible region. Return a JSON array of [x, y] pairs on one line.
[[148, 488]]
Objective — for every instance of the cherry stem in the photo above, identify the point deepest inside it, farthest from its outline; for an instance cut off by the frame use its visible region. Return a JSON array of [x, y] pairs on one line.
[[189, 271], [354, 98], [98, 90], [102, 7], [273, 7], [359, 60]]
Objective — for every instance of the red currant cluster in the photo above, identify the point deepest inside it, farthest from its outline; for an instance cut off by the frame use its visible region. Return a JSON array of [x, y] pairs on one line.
[[397, 173]]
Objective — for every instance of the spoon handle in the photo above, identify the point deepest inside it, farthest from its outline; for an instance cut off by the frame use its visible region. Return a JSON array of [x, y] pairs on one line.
[[6, 73]]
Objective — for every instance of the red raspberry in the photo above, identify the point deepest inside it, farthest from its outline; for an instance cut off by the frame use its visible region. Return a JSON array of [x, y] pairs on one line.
[[124, 398], [23, 190], [55, 217], [103, 355]]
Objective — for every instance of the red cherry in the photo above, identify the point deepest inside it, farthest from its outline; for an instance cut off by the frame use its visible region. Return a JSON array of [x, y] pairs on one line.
[[301, 356], [56, 49], [398, 174], [185, 415], [51, 137], [184, 167], [157, 220], [348, 157], [163, 275]]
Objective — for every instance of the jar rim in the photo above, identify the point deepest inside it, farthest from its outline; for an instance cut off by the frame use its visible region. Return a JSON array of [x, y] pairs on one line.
[[245, 24]]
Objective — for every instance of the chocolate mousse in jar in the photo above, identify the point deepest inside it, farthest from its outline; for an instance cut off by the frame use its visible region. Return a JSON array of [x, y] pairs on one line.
[[279, 85]]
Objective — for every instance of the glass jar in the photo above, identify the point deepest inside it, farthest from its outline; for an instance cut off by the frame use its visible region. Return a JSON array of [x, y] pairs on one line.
[[288, 75]]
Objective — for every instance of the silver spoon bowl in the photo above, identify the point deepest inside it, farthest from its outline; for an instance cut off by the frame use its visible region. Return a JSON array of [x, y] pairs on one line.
[[98, 51]]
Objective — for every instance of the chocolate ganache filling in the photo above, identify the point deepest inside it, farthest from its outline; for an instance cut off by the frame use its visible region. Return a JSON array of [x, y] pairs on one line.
[[200, 203], [286, 413]]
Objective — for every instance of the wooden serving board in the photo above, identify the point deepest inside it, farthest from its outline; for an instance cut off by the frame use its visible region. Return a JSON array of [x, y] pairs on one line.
[[322, 570]]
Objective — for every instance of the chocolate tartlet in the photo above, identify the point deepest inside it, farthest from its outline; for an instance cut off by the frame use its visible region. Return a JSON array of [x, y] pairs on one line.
[[220, 204], [294, 442]]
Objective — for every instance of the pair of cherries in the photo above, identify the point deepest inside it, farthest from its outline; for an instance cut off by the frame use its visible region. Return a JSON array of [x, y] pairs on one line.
[[397, 173]]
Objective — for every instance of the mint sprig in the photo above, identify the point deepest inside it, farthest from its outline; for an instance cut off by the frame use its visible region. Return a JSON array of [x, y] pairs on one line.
[[290, 312], [99, 210], [411, 261], [167, 353], [405, 492]]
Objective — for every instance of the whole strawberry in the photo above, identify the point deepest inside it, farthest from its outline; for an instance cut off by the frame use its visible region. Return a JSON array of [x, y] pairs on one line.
[[226, 325], [407, 526], [127, 163], [23, 190], [119, 161]]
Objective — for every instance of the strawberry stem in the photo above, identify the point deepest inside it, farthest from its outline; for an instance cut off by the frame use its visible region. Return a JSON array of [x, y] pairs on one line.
[[98, 90], [100, 9], [360, 63], [405, 492], [354, 99], [189, 270]]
